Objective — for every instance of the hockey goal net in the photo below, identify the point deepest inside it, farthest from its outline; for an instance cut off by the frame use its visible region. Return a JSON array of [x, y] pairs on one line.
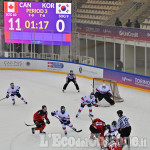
[[111, 84]]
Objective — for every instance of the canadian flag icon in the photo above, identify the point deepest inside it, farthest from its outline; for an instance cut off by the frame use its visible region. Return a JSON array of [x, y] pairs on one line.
[[11, 7]]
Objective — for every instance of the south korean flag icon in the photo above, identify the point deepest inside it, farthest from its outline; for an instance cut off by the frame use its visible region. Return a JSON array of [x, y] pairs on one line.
[[63, 8]]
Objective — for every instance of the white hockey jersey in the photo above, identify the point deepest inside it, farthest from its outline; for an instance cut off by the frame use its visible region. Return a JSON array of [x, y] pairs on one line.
[[87, 100], [113, 130], [103, 90], [64, 116], [12, 91]]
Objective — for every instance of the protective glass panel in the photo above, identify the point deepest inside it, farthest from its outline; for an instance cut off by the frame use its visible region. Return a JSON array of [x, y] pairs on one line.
[[140, 60], [148, 61], [110, 55]]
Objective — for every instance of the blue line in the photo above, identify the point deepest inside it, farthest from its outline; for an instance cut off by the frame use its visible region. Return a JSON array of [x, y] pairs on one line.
[[78, 64]]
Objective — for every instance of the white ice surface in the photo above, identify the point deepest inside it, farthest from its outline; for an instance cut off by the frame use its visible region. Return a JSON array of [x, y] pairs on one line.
[[40, 88]]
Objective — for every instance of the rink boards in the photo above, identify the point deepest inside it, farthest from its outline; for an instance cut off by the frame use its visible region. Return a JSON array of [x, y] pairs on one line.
[[81, 70]]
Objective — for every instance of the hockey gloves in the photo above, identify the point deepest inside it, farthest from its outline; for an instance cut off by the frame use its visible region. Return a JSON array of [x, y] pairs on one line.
[[67, 122], [38, 124], [52, 113], [96, 105], [47, 121], [7, 96], [64, 121]]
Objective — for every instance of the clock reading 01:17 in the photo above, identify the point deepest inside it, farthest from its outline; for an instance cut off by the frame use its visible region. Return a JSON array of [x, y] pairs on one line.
[[33, 25]]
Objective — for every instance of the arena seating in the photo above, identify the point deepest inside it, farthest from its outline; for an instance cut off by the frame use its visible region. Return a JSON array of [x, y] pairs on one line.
[[146, 23], [97, 11]]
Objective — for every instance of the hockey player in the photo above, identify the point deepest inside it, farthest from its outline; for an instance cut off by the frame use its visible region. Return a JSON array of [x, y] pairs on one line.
[[38, 119], [64, 118], [103, 91], [89, 101], [97, 129], [71, 78], [124, 127], [114, 146], [112, 130], [14, 91]]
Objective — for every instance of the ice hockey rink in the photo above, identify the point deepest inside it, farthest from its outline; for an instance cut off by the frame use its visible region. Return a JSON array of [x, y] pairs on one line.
[[41, 88]]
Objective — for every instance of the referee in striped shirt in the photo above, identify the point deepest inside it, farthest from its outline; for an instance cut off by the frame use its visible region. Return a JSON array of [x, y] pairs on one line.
[[124, 126]]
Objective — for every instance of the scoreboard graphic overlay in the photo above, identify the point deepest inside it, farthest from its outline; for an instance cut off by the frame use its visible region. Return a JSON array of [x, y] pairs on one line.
[[37, 23]]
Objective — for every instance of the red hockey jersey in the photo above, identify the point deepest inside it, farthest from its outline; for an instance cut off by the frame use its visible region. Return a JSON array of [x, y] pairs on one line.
[[99, 127], [40, 116]]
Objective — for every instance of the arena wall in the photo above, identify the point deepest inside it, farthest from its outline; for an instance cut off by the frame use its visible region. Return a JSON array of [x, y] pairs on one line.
[[81, 70]]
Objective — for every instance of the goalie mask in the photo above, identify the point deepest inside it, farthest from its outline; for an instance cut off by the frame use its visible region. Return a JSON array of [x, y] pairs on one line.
[[103, 85]]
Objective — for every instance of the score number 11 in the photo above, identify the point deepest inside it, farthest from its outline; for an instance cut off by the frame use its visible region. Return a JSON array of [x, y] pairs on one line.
[[11, 24]]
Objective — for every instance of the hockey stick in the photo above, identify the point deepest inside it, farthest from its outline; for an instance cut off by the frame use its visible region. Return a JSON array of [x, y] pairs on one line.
[[28, 124], [91, 118], [73, 130], [36, 124], [2, 99]]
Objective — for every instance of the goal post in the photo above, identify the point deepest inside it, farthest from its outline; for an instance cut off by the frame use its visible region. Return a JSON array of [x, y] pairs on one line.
[[112, 84]]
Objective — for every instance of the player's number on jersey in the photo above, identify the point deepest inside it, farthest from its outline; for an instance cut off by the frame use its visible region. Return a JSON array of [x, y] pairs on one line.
[[60, 25], [98, 124], [113, 146]]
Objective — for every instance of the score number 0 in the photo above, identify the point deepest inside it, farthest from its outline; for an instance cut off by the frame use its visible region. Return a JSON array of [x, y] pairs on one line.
[[19, 29], [63, 25]]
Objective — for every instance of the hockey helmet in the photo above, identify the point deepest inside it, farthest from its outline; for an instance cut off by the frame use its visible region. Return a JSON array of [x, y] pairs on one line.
[[92, 94], [114, 123], [108, 126], [44, 108], [103, 85], [63, 109], [71, 71], [12, 84]]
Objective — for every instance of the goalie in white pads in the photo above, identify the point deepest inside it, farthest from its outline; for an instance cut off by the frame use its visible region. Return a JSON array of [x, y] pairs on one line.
[[89, 101], [64, 118], [103, 91], [14, 91]]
